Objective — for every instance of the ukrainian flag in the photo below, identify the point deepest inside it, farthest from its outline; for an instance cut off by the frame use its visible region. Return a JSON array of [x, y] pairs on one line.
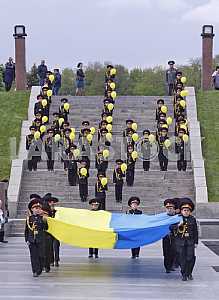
[[101, 229]]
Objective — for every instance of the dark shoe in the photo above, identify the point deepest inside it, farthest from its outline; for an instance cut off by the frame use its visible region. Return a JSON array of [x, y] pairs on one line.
[[90, 256], [35, 275], [168, 271], [133, 257], [47, 270], [57, 264], [4, 242], [190, 277], [184, 278], [96, 256], [39, 273], [52, 265]]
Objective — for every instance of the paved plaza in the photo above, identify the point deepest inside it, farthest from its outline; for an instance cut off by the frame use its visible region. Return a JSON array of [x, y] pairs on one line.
[[113, 276]]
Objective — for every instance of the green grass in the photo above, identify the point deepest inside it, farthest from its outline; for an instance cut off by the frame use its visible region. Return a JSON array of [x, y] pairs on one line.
[[208, 115], [13, 109]]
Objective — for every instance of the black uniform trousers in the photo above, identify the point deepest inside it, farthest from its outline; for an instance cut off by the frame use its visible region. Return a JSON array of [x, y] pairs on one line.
[[101, 197], [118, 191], [36, 257], [146, 165], [169, 252], [8, 86], [163, 160], [181, 163], [32, 163], [50, 161], [48, 250], [93, 251], [83, 190], [130, 176], [56, 246], [135, 252], [72, 177], [170, 89], [186, 256]]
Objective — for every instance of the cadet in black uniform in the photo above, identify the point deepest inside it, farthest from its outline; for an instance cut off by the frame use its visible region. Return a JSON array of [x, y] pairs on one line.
[[162, 150], [133, 203], [160, 103], [118, 180], [55, 243], [180, 148], [34, 148], [34, 235], [100, 191], [62, 110], [101, 163], [50, 148], [95, 205], [83, 181], [186, 239], [130, 173], [169, 249], [72, 166], [146, 149], [85, 145]]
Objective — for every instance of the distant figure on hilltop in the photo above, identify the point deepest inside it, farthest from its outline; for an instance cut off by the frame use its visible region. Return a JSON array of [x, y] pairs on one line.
[[41, 72], [171, 77], [80, 78], [57, 82], [9, 74], [215, 78]]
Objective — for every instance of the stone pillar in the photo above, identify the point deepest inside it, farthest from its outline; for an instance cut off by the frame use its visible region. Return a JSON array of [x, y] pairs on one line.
[[20, 58], [207, 56]]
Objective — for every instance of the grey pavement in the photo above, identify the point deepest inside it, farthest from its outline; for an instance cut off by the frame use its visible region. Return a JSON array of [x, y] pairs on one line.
[[114, 276]]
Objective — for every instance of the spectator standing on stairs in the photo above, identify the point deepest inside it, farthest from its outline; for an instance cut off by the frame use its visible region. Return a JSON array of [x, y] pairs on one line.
[[171, 77], [41, 72], [57, 82], [80, 80], [9, 74]]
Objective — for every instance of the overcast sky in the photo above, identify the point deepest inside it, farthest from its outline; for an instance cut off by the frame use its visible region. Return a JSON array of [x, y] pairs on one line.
[[135, 33]]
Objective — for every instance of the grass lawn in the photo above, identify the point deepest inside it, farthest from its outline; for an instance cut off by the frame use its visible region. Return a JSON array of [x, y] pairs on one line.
[[208, 115], [13, 109]]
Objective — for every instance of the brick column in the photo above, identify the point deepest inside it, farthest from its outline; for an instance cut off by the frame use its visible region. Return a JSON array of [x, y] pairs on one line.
[[207, 56], [20, 58]]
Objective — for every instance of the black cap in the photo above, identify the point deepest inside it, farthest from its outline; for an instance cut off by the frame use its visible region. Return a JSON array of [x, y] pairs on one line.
[[85, 123], [182, 130], [50, 130], [36, 196], [64, 100], [133, 199], [169, 202], [55, 114], [109, 66], [35, 202], [47, 196], [73, 146], [164, 129], [45, 88], [171, 62], [67, 130], [146, 131], [53, 199], [119, 161], [129, 121], [187, 203], [92, 201], [179, 73], [39, 96], [160, 101], [32, 128]]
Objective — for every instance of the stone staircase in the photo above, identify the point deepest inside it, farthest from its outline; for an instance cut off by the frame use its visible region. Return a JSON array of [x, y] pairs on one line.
[[152, 187]]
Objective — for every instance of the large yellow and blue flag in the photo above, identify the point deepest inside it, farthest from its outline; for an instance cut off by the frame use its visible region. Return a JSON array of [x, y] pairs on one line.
[[102, 229]]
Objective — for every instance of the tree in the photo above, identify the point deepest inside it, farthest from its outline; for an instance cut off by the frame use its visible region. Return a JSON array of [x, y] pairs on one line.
[[68, 82], [32, 78]]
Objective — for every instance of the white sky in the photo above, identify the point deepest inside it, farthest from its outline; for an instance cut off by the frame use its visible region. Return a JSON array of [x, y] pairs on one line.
[[135, 33]]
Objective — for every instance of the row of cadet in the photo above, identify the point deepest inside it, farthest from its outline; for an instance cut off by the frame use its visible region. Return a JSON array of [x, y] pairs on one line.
[[178, 246]]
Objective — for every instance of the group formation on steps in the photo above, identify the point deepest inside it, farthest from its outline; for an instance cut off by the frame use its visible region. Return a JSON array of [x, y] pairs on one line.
[[60, 140]]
